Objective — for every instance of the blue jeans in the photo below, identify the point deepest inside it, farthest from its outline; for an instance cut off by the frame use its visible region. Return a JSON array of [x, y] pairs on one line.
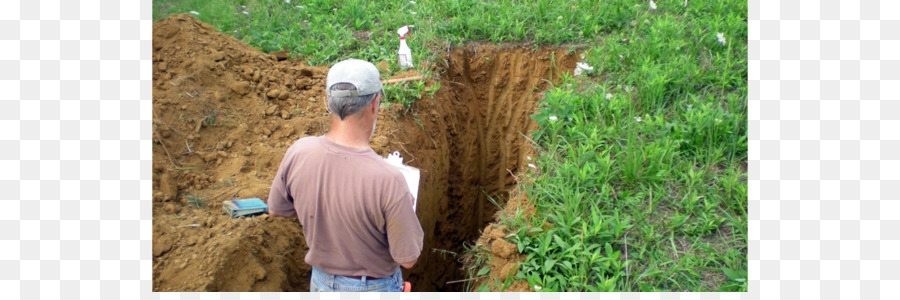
[[322, 281]]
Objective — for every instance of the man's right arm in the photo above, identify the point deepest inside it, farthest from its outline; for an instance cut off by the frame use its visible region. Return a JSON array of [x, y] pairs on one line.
[[280, 202]]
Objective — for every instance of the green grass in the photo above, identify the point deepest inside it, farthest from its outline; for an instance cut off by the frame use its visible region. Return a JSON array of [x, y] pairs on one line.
[[641, 179], [668, 186], [326, 31]]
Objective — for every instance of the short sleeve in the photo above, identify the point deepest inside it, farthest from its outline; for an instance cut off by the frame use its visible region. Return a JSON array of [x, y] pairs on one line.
[[280, 202], [404, 232]]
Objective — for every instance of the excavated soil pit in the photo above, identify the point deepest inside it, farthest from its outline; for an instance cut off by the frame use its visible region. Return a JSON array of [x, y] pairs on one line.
[[224, 113], [476, 126]]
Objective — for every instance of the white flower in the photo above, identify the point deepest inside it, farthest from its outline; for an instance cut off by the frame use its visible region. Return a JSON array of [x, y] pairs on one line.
[[528, 157], [537, 288], [637, 119], [532, 166], [718, 121], [608, 96], [553, 118], [721, 37], [300, 6], [559, 18], [412, 2], [244, 6], [652, 5], [334, 9], [582, 68], [287, 1], [246, 13], [621, 57], [413, 13], [195, 13]]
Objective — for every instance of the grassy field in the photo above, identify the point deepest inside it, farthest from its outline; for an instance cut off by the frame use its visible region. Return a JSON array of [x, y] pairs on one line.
[[641, 181]]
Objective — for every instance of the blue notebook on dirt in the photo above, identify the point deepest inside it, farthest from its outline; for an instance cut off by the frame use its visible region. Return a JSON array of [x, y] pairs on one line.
[[244, 207]]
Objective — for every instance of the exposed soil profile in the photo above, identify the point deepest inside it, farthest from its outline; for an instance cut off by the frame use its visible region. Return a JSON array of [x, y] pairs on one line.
[[224, 113]]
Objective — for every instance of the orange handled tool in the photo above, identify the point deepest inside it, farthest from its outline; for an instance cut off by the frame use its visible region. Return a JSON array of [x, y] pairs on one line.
[[407, 287]]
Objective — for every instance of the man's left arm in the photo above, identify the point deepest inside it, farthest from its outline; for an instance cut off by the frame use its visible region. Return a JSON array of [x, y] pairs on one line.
[[405, 235]]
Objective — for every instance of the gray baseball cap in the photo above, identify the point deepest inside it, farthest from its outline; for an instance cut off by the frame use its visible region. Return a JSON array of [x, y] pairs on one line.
[[361, 74]]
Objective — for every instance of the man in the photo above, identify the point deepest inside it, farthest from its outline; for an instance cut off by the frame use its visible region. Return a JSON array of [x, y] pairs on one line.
[[355, 209]]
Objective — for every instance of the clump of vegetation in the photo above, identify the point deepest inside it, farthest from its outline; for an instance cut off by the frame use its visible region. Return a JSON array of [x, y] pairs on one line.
[[406, 93], [194, 201]]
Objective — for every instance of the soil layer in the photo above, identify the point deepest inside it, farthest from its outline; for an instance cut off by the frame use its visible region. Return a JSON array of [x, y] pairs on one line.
[[224, 113]]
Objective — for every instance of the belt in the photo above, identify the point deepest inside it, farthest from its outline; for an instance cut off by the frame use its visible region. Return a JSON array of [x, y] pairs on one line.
[[367, 277]]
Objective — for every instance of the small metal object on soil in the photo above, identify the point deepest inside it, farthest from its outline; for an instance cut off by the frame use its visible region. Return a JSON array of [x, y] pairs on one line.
[[183, 226]]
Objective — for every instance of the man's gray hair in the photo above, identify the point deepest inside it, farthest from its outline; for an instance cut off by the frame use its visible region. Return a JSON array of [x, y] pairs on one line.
[[349, 105]]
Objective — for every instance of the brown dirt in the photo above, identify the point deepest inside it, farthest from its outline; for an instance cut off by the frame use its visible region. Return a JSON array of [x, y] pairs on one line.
[[224, 113], [502, 256]]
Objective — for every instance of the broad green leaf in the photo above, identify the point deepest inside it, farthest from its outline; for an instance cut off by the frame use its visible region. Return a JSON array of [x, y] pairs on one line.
[[560, 242], [484, 287], [734, 275], [548, 265]]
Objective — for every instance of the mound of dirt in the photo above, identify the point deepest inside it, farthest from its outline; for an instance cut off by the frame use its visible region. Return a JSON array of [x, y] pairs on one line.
[[224, 113], [208, 251]]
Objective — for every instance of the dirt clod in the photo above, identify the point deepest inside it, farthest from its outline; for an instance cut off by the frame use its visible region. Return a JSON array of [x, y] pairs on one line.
[[161, 246], [508, 270], [503, 248], [167, 187], [380, 141], [241, 87], [281, 55], [382, 66]]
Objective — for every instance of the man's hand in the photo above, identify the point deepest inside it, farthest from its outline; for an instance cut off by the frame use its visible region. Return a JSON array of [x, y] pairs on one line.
[[409, 265]]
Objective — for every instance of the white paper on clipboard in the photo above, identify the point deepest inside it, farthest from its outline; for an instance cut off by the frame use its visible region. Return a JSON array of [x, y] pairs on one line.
[[411, 174]]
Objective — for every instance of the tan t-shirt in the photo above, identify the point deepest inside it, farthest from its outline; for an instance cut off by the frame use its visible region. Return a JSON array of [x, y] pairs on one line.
[[356, 210]]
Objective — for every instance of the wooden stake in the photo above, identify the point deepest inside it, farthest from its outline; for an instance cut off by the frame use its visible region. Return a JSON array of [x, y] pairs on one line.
[[398, 80]]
